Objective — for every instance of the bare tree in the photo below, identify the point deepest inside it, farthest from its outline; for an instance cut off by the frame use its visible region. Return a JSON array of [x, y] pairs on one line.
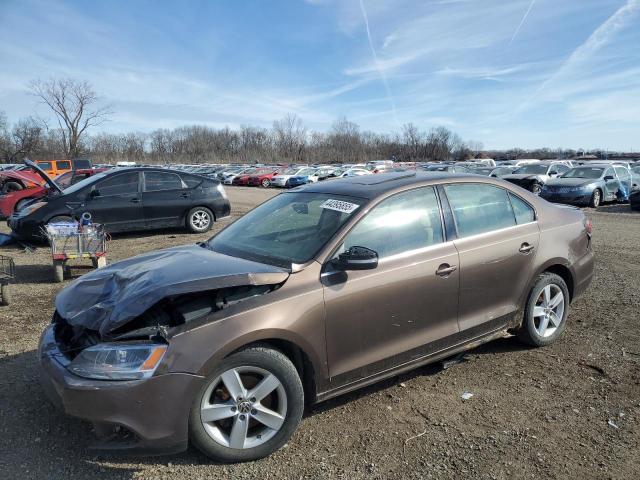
[[76, 106], [290, 137]]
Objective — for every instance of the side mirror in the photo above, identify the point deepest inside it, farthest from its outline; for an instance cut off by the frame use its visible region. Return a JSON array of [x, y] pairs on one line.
[[608, 177], [94, 193], [553, 174], [358, 258]]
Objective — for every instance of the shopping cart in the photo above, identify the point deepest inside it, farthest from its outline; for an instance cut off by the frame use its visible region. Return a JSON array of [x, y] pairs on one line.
[[7, 273], [70, 242]]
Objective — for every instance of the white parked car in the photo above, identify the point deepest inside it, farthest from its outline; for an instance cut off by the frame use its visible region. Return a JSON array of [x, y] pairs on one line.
[[356, 172], [280, 180]]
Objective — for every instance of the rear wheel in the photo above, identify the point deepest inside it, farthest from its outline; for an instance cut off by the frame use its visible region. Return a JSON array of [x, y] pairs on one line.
[[596, 198], [266, 183], [248, 407], [546, 311], [199, 219]]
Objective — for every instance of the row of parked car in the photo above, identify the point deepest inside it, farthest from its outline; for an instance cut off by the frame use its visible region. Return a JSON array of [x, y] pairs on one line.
[[134, 198]]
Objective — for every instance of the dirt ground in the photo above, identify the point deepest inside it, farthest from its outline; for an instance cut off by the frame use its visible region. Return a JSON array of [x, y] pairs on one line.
[[571, 410]]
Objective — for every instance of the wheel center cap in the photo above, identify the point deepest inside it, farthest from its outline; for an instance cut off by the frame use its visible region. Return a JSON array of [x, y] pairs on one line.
[[244, 407]]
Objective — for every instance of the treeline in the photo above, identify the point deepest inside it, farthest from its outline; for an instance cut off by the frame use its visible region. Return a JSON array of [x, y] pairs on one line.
[[287, 141]]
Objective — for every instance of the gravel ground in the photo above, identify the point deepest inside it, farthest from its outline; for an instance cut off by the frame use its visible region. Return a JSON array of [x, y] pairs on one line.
[[571, 410]]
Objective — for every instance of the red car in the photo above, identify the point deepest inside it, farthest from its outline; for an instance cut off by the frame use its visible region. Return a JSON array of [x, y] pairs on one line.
[[243, 180], [262, 179], [14, 200], [14, 180]]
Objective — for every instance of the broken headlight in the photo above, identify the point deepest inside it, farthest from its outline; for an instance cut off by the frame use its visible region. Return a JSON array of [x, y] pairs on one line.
[[113, 361]]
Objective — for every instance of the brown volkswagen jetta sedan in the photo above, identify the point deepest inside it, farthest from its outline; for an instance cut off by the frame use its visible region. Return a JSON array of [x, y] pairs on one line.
[[319, 291]]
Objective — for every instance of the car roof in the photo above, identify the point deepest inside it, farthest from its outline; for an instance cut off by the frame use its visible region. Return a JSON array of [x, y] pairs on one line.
[[375, 185]]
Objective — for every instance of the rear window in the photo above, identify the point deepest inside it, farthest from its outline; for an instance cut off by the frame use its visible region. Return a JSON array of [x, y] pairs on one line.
[[155, 181], [191, 180]]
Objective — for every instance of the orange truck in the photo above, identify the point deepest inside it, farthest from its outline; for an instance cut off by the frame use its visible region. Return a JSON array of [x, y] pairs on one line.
[[53, 168]]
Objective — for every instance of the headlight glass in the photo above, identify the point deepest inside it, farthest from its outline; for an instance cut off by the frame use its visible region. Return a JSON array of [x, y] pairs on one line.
[[32, 208], [113, 361]]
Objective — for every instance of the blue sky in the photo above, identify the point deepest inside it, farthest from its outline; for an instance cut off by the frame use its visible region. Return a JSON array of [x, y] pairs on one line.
[[509, 73]]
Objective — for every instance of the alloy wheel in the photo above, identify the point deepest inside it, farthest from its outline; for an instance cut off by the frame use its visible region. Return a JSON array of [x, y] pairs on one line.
[[200, 219], [549, 310], [244, 407]]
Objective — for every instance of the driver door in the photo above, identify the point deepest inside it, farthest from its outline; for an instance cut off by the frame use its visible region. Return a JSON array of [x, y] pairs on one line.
[[377, 319]]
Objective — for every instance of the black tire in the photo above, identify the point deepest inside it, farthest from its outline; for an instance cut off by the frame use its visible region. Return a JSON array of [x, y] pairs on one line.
[[196, 219], [11, 187], [528, 332], [266, 183], [5, 294], [596, 198], [278, 365], [21, 203]]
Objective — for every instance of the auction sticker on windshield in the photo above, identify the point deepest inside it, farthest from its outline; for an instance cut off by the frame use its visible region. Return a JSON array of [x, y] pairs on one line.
[[339, 206]]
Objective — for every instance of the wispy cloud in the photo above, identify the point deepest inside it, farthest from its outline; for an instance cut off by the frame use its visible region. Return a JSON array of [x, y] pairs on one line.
[[381, 71], [524, 18]]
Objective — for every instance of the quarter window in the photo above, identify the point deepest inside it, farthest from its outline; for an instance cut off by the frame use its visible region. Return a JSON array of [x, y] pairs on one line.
[[404, 222], [119, 185], [523, 211], [479, 208], [155, 181]]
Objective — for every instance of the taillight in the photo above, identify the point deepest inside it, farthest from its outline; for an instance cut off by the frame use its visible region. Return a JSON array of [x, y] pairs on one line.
[[588, 226]]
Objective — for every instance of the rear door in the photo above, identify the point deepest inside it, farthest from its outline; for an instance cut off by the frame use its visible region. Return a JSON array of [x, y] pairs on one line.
[[497, 242], [165, 199], [377, 319], [116, 202]]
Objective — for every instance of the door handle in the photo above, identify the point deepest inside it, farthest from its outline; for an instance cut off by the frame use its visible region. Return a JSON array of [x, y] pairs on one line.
[[445, 270], [135, 200], [526, 248], [184, 195]]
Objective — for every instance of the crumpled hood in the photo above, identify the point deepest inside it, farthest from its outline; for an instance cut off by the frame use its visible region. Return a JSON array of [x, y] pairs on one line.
[[109, 297], [522, 176]]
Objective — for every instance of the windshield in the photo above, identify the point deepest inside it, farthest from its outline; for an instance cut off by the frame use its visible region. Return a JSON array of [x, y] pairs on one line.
[[532, 169], [289, 228], [584, 172]]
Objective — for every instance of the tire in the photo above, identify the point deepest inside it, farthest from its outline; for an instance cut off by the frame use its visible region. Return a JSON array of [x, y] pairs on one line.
[[21, 203], [5, 294], [200, 219], [539, 327], [11, 187], [286, 398], [58, 271], [266, 183], [536, 188], [596, 198]]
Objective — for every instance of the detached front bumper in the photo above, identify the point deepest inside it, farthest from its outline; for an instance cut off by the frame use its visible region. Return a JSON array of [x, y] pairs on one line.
[[155, 411]]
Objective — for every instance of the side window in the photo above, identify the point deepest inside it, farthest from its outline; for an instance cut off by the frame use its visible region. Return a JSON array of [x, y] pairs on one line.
[[562, 169], [609, 172], [63, 165], [119, 184], [479, 208], [155, 181], [45, 165], [622, 172], [407, 221], [523, 211]]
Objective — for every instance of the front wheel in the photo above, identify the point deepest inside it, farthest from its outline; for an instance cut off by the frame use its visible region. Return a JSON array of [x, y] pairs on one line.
[[546, 311], [248, 407], [199, 219], [596, 199], [266, 183], [536, 188]]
